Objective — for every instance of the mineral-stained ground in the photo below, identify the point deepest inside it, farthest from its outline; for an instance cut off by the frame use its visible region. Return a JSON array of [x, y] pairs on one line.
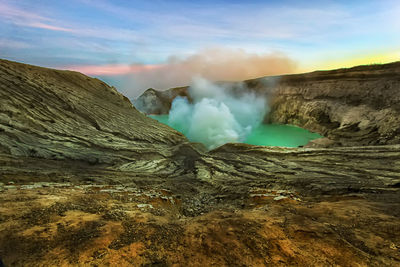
[[88, 180]]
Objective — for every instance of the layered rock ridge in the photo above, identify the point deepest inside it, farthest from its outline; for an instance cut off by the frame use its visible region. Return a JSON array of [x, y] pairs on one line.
[[53, 114], [356, 106]]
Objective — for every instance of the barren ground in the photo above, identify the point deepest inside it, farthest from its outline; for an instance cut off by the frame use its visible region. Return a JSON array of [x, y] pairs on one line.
[[61, 224]]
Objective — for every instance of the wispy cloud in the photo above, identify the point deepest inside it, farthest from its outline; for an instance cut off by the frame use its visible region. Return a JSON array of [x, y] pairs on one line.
[[47, 26], [213, 21], [17, 16], [20, 17], [106, 31], [111, 69], [12, 12]]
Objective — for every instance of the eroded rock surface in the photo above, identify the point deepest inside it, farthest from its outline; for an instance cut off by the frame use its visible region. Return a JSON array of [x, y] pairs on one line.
[[56, 114], [357, 106], [158, 102], [152, 198]]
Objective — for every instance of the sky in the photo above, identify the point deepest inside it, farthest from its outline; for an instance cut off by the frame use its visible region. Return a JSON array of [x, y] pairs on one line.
[[139, 44]]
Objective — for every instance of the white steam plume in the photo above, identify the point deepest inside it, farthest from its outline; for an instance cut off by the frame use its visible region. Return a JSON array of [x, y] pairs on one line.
[[217, 115]]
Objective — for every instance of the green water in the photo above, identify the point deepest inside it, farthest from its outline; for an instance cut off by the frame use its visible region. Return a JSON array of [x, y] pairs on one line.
[[270, 134], [280, 135]]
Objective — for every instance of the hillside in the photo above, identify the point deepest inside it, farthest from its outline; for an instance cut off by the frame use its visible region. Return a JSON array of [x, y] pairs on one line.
[[54, 114]]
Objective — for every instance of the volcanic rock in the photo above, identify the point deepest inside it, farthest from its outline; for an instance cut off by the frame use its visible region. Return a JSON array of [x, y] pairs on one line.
[[54, 114]]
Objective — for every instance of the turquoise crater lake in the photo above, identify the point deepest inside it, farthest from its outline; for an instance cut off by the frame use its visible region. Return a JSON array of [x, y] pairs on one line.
[[269, 134]]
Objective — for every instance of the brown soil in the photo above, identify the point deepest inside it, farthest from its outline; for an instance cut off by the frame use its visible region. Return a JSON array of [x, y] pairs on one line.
[[50, 224]]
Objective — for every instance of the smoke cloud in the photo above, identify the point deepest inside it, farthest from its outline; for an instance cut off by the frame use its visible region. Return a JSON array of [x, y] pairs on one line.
[[216, 64], [217, 115]]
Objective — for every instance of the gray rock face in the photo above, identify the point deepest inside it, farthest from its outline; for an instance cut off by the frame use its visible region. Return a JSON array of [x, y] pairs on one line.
[[56, 114], [158, 102], [357, 106]]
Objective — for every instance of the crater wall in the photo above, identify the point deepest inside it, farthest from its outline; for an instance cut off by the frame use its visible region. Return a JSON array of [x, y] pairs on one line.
[[355, 106]]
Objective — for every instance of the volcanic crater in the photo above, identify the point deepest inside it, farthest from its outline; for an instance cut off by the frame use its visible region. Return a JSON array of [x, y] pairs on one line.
[[87, 179]]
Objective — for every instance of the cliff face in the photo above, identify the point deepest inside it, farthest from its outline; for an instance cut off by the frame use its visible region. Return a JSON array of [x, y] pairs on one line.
[[356, 106], [158, 102], [54, 114], [86, 179]]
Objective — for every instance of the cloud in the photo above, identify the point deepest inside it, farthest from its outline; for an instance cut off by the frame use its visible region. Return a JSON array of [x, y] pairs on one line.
[[209, 21], [214, 64], [47, 27], [149, 31], [20, 17], [111, 69], [12, 12]]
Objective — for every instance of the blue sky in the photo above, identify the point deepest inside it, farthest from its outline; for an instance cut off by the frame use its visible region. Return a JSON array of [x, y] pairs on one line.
[[95, 33]]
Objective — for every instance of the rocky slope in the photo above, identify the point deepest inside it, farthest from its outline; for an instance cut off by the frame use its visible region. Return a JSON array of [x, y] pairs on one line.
[[159, 102], [86, 179], [56, 114], [356, 106]]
